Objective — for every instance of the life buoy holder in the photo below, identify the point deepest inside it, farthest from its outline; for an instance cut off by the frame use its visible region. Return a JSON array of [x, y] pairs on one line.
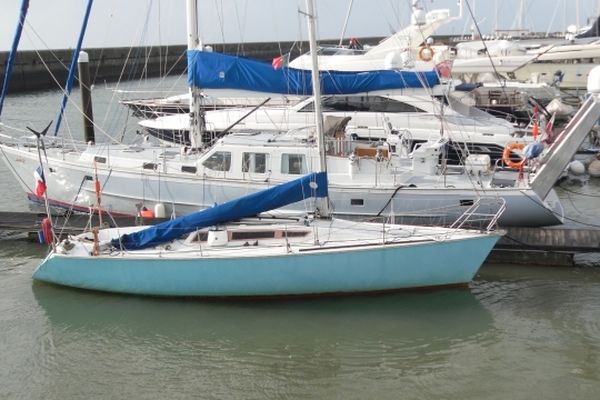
[[426, 53], [507, 152]]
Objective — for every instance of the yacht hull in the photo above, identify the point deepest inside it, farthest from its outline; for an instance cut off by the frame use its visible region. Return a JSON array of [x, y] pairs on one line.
[[320, 271], [71, 186]]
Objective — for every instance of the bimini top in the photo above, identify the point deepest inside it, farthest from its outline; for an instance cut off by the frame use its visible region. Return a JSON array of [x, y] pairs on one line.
[[208, 70], [311, 185]]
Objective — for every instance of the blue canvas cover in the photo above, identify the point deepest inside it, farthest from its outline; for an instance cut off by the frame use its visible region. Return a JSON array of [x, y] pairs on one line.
[[244, 207], [208, 70]]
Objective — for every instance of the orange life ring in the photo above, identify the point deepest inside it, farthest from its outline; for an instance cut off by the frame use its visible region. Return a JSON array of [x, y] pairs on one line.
[[506, 155], [426, 53]]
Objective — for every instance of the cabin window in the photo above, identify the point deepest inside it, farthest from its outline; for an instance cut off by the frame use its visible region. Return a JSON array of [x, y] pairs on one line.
[[357, 202], [293, 164], [246, 235], [149, 165], [100, 159], [218, 161], [188, 168], [254, 162], [385, 104]]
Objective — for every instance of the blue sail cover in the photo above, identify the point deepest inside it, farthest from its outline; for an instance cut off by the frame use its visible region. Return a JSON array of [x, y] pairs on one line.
[[244, 207], [208, 70]]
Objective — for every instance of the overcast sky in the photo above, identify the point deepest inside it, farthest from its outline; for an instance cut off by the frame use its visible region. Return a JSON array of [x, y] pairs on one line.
[[55, 24]]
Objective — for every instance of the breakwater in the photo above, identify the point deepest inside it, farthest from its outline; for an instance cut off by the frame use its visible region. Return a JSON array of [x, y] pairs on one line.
[[48, 69]]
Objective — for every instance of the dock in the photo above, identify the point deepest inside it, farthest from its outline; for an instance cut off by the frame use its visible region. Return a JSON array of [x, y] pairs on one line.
[[29, 223], [552, 246]]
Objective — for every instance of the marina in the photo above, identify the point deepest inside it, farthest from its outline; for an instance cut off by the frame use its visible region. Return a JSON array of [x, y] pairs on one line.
[[342, 223]]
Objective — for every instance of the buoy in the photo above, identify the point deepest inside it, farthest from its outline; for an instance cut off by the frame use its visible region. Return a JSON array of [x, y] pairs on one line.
[[576, 167], [159, 211], [594, 169]]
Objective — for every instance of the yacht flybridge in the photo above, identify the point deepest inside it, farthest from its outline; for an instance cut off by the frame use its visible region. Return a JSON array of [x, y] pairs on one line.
[[406, 49]]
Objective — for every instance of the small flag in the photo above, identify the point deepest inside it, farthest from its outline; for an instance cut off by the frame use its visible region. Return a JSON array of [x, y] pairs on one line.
[[550, 125], [281, 61], [40, 181], [535, 130]]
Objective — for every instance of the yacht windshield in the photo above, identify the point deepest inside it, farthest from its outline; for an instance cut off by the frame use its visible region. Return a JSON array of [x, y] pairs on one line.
[[363, 104]]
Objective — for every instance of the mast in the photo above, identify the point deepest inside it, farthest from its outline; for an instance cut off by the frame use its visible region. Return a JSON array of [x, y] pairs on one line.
[[73, 68], [496, 19], [193, 43], [577, 14], [13, 51], [316, 85]]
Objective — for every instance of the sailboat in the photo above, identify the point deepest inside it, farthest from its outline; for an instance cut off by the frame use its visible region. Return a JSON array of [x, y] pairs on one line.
[[224, 254]]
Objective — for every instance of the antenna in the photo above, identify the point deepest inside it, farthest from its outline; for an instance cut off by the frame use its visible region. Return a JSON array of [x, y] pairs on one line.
[[346, 22]]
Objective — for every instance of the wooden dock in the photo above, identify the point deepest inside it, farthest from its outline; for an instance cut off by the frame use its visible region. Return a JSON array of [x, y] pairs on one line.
[[554, 246], [30, 222]]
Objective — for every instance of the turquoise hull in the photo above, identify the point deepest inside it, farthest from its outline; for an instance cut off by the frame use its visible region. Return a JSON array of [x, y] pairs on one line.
[[355, 270]]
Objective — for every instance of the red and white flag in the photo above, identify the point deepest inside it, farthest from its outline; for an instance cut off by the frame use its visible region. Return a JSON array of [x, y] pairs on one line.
[[281, 61], [40, 181]]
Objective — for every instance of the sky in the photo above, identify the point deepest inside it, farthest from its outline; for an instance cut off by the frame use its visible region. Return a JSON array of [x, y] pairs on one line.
[[55, 24]]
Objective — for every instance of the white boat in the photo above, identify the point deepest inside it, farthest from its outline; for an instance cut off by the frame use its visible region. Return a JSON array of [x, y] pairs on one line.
[[418, 112], [406, 49], [364, 178], [564, 63], [180, 104], [302, 257]]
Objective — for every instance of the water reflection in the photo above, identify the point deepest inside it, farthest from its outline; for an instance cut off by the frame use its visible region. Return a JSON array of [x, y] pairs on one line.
[[550, 314], [305, 343]]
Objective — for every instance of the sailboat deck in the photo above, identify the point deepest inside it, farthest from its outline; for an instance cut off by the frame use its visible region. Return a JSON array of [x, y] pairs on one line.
[[285, 237]]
